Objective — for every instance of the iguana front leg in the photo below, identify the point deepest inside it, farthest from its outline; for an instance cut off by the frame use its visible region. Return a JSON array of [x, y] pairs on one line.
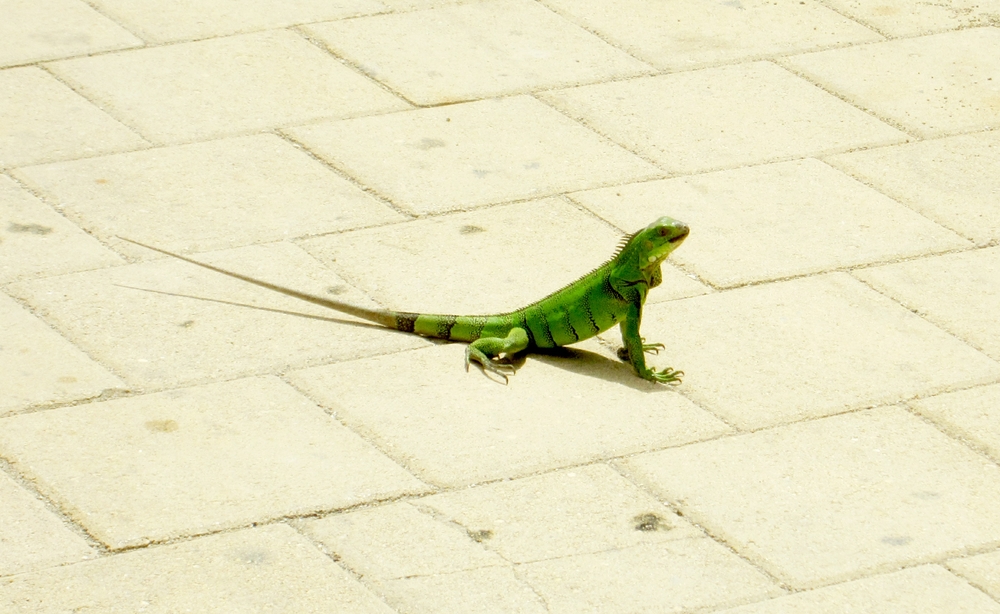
[[486, 350], [635, 347]]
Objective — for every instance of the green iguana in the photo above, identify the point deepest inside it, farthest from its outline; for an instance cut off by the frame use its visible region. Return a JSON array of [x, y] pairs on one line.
[[613, 293]]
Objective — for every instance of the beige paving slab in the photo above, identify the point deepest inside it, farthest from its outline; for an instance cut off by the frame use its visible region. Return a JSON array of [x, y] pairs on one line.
[[928, 589], [456, 428], [463, 155], [775, 220], [225, 86], [31, 31], [37, 241], [973, 415], [397, 540], [679, 34], [207, 195], [563, 513], [769, 354], [32, 537], [157, 340], [982, 570], [488, 590], [173, 21], [44, 120], [37, 365], [836, 498], [960, 292], [197, 460], [477, 262], [954, 180], [475, 50], [722, 117], [934, 85], [677, 576], [904, 18], [262, 569]]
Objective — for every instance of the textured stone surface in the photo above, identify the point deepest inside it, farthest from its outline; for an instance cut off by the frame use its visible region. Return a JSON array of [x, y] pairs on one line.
[[197, 460], [225, 86], [722, 117], [836, 498], [458, 156], [973, 415], [475, 50], [254, 570]]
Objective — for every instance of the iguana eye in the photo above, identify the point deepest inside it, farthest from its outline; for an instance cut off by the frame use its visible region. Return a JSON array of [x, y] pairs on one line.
[[663, 231]]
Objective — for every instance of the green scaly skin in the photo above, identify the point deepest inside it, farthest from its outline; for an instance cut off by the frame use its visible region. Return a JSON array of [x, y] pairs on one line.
[[611, 294]]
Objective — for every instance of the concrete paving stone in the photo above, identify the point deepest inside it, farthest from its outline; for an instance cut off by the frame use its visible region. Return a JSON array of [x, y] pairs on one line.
[[31, 31], [680, 34], [903, 18], [488, 590], [563, 513], [37, 241], [954, 180], [476, 262], [32, 537], [225, 86], [455, 428], [836, 498], [959, 292], [476, 50], [397, 540], [206, 195], [196, 460], [973, 415], [476, 153], [258, 570], [156, 340], [982, 570], [676, 576], [38, 366], [722, 117], [776, 220], [44, 121], [927, 589], [173, 21], [775, 353], [933, 85]]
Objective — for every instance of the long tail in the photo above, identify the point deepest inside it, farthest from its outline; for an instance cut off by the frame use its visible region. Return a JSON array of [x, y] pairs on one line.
[[385, 318]]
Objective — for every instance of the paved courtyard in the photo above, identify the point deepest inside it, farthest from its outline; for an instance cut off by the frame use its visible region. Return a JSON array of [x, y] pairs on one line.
[[835, 444]]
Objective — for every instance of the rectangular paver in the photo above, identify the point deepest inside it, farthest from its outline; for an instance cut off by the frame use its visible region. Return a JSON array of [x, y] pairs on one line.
[[31, 536], [455, 427], [836, 498], [982, 570], [685, 34], [36, 241], [207, 195], [254, 570], [935, 85], [970, 303], [225, 86], [774, 353], [157, 340], [927, 589], [973, 415], [475, 50], [904, 18], [44, 121], [196, 460], [38, 366], [470, 154], [774, 220], [722, 117], [953, 180]]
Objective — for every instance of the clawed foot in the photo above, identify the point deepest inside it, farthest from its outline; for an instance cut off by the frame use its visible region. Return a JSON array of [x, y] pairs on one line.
[[666, 376], [649, 348], [503, 369]]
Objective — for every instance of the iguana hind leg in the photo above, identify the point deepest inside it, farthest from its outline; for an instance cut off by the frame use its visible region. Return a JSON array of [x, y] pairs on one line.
[[486, 350]]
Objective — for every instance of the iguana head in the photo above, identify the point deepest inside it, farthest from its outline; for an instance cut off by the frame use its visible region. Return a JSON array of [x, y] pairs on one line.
[[647, 249]]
